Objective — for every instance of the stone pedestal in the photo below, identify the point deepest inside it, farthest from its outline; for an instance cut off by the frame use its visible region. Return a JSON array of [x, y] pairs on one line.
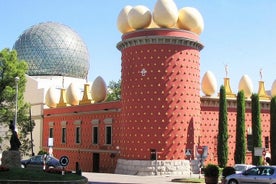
[[11, 159]]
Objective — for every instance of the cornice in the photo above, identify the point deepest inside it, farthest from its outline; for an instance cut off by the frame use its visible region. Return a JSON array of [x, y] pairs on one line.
[[231, 103], [171, 40]]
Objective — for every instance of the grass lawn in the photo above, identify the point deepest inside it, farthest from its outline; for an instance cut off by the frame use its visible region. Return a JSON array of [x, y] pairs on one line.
[[189, 180], [36, 175]]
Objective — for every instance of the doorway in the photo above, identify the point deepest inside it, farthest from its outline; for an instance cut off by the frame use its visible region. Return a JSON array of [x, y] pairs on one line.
[[96, 162]]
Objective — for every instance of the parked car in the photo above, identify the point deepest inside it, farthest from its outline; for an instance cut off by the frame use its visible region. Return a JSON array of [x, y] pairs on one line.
[[37, 162], [259, 174], [242, 167]]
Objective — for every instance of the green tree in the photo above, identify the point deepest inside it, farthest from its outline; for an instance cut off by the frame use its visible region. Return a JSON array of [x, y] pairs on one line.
[[11, 67], [114, 91], [273, 130], [240, 150], [256, 127], [222, 147]]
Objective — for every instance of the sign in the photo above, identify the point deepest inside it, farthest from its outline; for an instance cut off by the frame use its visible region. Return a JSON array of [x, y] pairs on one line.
[[205, 152], [258, 151], [200, 150], [188, 152], [64, 161], [50, 142]]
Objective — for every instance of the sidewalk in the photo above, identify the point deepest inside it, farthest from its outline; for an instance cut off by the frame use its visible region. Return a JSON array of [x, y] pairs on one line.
[[104, 178]]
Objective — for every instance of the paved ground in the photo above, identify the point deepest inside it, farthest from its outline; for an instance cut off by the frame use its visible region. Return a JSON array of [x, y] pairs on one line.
[[103, 178]]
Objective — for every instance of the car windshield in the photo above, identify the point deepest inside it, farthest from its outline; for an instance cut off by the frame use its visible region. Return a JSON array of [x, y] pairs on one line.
[[240, 168]]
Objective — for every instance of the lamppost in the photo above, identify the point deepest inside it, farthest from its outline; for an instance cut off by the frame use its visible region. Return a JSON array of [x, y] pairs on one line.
[[16, 99]]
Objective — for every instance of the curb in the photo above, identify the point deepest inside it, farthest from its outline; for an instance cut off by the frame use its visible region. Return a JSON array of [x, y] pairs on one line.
[[82, 181]]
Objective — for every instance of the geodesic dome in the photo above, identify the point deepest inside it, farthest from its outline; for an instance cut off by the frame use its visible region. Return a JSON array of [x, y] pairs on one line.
[[53, 49]]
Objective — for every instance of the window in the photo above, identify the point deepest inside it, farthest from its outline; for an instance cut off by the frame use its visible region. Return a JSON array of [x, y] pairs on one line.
[[95, 135], [78, 131], [249, 142], [63, 135], [266, 142], [108, 134], [51, 132]]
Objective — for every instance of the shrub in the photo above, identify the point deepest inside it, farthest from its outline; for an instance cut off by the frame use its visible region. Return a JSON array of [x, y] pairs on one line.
[[211, 170], [56, 170], [42, 152], [3, 168], [228, 171]]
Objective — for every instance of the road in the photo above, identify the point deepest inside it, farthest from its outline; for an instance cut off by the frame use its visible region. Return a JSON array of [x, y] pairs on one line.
[[104, 178]]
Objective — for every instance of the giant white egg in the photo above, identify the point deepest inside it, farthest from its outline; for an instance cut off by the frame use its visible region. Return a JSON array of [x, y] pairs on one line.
[[52, 97], [246, 85], [122, 20], [209, 83], [73, 94], [99, 90], [165, 13], [273, 89], [139, 17], [190, 19], [153, 25]]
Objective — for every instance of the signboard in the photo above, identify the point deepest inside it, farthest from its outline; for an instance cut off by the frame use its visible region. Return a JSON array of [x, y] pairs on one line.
[[50, 142], [200, 150], [188, 152], [205, 152], [64, 161], [258, 151]]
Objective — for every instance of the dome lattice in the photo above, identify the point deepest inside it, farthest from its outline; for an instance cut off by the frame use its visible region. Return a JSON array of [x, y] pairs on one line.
[[53, 49]]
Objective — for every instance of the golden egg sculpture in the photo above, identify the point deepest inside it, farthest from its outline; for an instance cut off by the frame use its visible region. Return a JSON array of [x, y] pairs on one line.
[[139, 17], [52, 97], [209, 83], [122, 20], [273, 89], [99, 90], [246, 85], [165, 13], [190, 19], [73, 94]]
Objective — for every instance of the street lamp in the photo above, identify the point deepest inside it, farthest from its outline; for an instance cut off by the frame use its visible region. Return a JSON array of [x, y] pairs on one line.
[[16, 99]]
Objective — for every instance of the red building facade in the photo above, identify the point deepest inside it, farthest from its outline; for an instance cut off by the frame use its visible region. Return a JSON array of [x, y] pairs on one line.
[[161, 109]]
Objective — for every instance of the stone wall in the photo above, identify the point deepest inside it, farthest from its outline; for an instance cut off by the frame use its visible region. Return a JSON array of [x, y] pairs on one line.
[[151, 167]]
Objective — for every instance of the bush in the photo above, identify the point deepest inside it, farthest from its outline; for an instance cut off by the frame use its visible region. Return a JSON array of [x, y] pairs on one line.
[[211, 170], [42, 152], [228, 171], [56, 171], [3, 168]]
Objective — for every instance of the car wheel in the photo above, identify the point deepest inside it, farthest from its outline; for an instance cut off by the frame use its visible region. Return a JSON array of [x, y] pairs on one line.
[[233, 181]]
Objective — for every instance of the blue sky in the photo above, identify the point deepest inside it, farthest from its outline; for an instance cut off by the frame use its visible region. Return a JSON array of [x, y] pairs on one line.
[[240, 34]]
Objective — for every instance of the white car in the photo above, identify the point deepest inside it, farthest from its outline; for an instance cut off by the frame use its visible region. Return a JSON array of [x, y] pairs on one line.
[[259, 174], [242, 167]]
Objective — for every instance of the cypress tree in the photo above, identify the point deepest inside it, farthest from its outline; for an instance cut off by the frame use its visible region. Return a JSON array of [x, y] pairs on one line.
[[256, 127], [240, 150], [222, 147], [273, 130]]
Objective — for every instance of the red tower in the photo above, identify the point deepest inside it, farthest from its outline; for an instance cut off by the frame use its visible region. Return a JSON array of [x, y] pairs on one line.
[[160, 93]]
